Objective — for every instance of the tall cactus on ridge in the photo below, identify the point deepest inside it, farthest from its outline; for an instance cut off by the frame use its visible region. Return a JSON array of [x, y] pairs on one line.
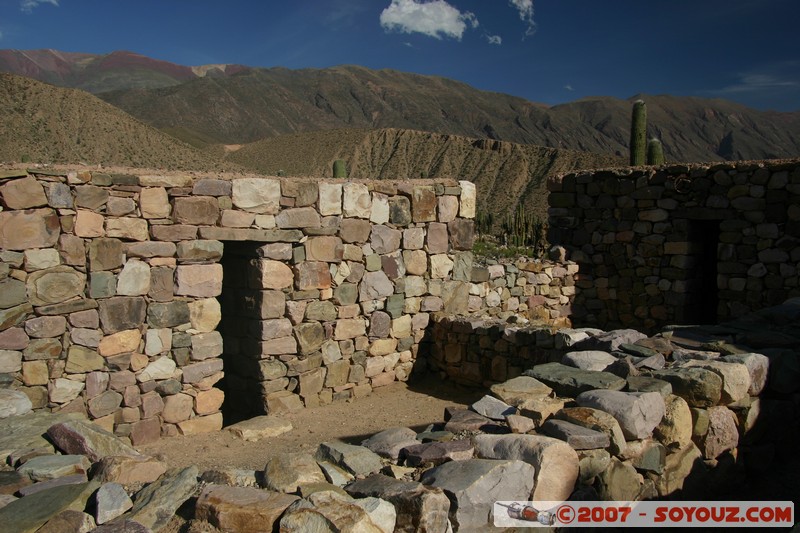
[[638, 133], [655, 152]]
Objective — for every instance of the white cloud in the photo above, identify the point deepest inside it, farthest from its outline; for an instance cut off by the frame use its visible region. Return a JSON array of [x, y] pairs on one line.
[[568, 87], [28, 5], [758, 82], [525, 8], [436, 19], [494, 39]]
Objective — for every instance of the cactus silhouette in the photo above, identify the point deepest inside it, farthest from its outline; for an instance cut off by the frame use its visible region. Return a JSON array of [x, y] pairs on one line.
[[655, 152], [638, 133]]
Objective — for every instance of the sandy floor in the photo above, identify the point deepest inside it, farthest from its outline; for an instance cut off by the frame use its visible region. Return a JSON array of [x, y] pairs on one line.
[[398, 404]]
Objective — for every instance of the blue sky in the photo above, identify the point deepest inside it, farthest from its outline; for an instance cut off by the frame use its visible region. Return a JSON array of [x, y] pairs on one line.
[[548, 51]]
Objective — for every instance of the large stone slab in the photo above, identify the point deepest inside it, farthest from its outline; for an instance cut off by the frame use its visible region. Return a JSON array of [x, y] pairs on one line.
[[23, 193], [111, 501], [465, 420], [257, 195], [28, 514], [340, 510], [55, 285], [69, 520], [389, 442], [46, 467], [569, 381], [23, 230], [493, 408], [241, 509], [700, 387], [597, 420], [735, 378], [13, 403], [260, 427], [594, 360], [681, 466], [758, 367], [28, 431], [555, 462], [675, 429], [127, 470], [619, 482], [77, 437], [722, 433], [286, 472], [357, 460], [436, 453], [610, 341], [638, 413], [475, 484], [419, 508], [579, 437], [155, 505]]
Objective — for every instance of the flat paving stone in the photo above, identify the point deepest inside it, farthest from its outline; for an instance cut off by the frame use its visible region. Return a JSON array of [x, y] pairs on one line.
[[579, 437], [493, 408], [260, 427], [569, 381], [436, 453], [466, 420]]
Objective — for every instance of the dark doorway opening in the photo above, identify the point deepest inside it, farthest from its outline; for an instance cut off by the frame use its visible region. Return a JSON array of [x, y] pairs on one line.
[[701, 297], [240, 359]]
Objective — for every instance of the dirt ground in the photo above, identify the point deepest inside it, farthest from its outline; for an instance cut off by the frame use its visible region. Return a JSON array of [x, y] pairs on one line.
[[413, 405]]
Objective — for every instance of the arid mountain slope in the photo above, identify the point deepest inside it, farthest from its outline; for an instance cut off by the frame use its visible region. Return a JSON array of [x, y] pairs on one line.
[[47, 124], [263, 103], [505, 173], [107, 72], [233, 104]]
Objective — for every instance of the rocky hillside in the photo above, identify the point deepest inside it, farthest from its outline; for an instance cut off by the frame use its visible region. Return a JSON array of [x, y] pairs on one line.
[[233, 104], [505, 173], [106, 72], [263, 103], [47, 124]]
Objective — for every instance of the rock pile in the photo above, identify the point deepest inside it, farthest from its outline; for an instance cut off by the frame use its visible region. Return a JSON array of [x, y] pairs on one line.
[[622, 417]]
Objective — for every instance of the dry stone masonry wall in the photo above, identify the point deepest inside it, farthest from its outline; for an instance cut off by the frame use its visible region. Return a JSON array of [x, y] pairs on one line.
[[679, 244], [111, 291]]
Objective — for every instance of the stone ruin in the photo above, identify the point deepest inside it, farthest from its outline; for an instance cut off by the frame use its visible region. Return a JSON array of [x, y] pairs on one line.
[[117, 291]]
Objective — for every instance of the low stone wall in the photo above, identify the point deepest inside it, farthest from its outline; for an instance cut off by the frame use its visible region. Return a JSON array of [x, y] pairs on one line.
[[540, 290], [679, 244], [480, 351], [111, 284]]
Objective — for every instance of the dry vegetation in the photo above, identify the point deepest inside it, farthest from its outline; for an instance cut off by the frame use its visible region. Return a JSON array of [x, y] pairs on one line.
[[47, 124]]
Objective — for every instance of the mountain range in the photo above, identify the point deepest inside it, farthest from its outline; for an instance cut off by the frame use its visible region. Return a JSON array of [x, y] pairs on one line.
[[384, 123]]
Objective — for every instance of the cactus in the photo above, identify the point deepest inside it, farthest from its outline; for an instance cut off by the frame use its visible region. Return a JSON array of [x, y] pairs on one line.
[[655, 152], [339, 169], [638, 133], [483, 222], [523, 230]]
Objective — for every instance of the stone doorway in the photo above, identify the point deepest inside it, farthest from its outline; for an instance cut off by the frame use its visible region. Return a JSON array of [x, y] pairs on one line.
[[701, 264], [249, 313]]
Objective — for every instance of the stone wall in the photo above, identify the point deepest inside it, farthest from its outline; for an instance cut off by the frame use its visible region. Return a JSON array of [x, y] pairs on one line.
[[111, 284], [679, 244]]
